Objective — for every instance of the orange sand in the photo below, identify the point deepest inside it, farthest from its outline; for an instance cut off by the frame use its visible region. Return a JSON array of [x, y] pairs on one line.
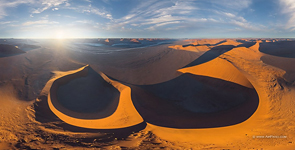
[[32, 116]]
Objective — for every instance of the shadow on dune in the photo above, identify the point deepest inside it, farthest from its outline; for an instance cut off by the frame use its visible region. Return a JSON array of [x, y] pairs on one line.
[[9, 50], [192, 101], [44, 115], [88, 97], [247, 44], [280, 48], [211, 54], [205, 44], [85, 95], [215, 52]]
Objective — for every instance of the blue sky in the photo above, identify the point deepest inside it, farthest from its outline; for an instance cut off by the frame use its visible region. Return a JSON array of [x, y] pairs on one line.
[[147, 18]]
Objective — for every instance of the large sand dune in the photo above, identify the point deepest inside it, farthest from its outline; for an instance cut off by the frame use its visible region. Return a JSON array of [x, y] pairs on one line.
[[191, 94], [93, 114], [191, 101]]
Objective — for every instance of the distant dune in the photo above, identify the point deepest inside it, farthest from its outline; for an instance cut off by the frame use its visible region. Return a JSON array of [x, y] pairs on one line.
[[6, 50], [134, 40], [230, 42]]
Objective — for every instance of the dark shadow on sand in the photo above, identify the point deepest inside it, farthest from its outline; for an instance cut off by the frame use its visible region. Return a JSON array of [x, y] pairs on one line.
[[193, 101], [9, 50], [86, 97], [210, 55], [247, 44], [205, 44], [44, 115], [279, 48]]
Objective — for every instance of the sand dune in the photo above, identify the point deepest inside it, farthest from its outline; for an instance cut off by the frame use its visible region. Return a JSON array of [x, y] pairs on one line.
[[119, 114], [281, 63], [95, 98], [8, 50], [230, 42], [193, 48], [134, 40], [205, 41], [221, 69], [263, 113], [191, 101], [185, 101], [191, 94]]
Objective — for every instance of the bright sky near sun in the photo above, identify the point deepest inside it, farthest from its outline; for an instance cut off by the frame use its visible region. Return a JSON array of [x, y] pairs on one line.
[[146, 18]]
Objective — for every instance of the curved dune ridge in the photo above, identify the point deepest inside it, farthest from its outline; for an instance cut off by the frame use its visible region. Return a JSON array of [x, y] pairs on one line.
[[221, 69], [230, 42], [95, 97], [191, 47], [213, 94], [205, 41], [192, 100], [124, 114]]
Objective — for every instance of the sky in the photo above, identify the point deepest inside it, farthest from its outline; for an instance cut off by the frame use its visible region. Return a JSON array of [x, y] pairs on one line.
[[147, 18]]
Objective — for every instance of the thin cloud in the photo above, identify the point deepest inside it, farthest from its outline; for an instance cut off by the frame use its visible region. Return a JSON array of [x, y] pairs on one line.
[[47, 4], [45, 22], [6, 22], [162, 24], [5, 4], [288, 7], [92, 10], [157, 13]]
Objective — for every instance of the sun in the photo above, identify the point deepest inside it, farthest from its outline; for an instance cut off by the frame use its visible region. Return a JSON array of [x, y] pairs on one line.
[[59, 35]]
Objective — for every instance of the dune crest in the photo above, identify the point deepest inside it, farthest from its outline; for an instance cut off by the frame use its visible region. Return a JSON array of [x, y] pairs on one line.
[[219, 68], [134, 40], [255, 46], [204, 41], [191, 48], [230, 42], [125, 114]]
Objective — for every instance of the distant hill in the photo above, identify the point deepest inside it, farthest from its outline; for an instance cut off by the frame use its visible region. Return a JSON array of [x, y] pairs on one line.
[[6, 50]]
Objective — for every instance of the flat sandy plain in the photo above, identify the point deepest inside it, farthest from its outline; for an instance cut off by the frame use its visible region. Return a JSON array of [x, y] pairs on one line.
[[147, 94]]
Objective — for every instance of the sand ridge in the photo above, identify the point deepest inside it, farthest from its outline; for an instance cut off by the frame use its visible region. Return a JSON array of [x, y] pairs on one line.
[[149, 97], [219, 68], [223, 66], [124, 116]]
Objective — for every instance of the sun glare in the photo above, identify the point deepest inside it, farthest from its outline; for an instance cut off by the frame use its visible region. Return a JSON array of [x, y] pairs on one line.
[[59, 35]]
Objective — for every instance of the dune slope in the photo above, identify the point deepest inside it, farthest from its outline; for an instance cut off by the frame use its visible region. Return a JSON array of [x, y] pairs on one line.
[[8, 50], [125, 114]]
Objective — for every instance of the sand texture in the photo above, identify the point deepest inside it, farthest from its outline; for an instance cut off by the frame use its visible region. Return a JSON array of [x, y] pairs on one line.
[[147, 94]]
